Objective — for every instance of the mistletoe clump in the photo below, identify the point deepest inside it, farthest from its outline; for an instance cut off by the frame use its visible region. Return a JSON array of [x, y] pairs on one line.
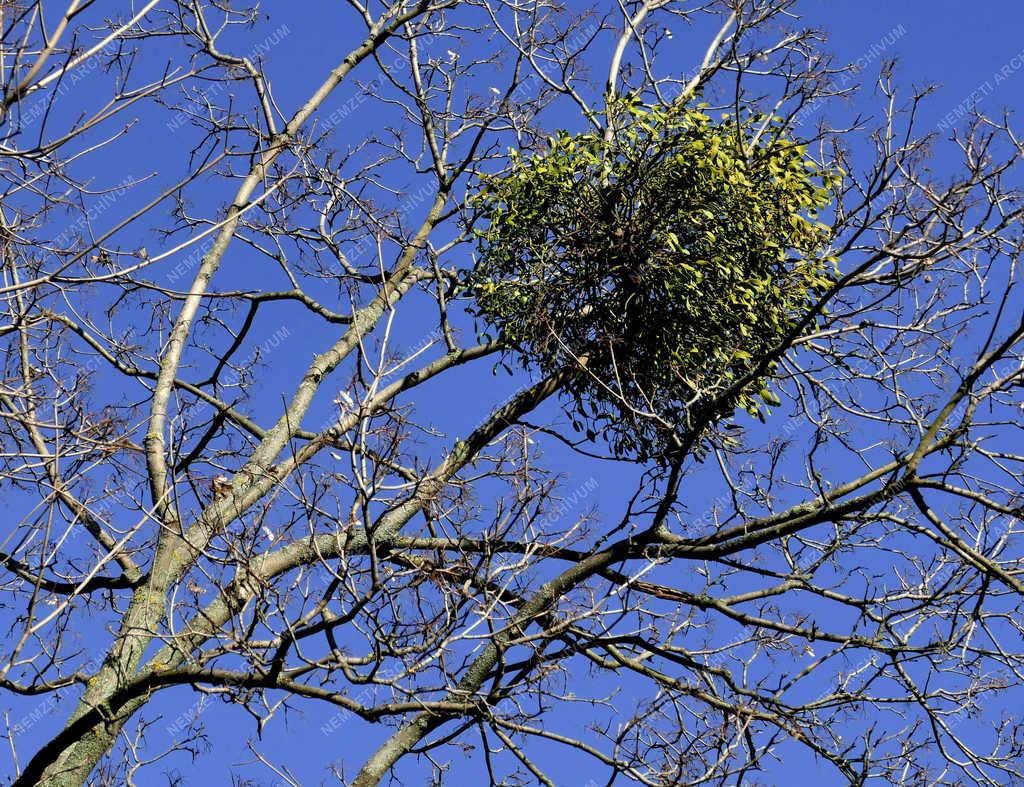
[[664, 261]]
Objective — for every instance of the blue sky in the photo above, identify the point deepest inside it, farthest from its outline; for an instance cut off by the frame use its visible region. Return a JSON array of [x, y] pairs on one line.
[[972, 52]]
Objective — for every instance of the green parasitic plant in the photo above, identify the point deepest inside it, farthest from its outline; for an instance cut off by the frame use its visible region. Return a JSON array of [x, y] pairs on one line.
[[664, 261]]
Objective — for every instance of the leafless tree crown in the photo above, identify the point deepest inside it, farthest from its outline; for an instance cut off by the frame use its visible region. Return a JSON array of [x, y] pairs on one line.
[[251, 443]]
